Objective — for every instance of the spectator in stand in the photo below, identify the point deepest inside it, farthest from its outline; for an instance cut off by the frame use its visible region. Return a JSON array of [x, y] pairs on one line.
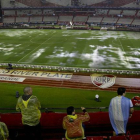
[[4, 133], [73, 124], [29, 106], [120, 110]]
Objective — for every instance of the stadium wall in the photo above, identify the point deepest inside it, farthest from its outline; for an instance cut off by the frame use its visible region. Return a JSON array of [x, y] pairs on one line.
[[99, 16], [51, 123]]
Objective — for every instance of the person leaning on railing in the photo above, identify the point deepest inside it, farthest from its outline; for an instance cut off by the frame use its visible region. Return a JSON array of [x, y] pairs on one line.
[[29, 106], [73, 124], [4, 133]]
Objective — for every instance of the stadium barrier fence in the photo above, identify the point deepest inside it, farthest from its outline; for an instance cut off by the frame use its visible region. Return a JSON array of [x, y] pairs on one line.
[[57, 109], [68, 69]]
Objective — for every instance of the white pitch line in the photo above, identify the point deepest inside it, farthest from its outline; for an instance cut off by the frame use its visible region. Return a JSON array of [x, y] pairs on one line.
[[123, 51], [36, 37], [36, 47], [115, 43]]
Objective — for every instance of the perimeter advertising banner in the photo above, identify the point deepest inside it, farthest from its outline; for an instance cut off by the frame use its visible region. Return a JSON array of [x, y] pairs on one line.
[[12, 79], [37, 74]]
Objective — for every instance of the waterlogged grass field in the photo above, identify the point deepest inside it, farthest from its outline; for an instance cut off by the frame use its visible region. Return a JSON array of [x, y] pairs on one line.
[[71, 48]]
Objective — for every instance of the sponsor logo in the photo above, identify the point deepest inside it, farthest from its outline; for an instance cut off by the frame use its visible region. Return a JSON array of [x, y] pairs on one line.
[[43, 74], [103, 81], [12, 79]]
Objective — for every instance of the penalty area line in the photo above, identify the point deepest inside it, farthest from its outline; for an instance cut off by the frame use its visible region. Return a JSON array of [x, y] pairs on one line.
[[123, 51], [37, 36], [36, 47]]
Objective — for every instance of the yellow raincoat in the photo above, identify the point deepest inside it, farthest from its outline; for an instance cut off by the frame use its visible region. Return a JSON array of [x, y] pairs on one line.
[[30, 110], [73, 126], [4, 133]]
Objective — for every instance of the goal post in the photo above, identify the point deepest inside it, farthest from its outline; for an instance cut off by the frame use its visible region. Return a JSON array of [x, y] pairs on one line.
[[103, 29]]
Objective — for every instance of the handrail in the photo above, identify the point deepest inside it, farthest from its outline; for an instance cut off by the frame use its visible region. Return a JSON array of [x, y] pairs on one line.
[[57, 108], [80, 108]]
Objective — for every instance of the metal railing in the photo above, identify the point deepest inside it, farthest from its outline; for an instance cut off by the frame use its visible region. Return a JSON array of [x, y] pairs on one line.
[[68, 69], [53, 109]]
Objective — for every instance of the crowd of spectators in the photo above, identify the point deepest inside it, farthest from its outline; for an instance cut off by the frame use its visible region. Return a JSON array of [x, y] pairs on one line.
[[120, 110]]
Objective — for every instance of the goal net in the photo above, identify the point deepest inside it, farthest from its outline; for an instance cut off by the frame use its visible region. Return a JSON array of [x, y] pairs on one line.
[[103, 29]]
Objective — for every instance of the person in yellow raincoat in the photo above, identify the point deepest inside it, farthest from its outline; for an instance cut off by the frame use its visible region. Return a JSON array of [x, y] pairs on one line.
[[4, 133], [29, 106], [73, 124]]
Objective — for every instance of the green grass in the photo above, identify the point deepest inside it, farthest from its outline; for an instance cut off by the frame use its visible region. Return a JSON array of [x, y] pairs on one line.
[[71, 48], [57, 97]]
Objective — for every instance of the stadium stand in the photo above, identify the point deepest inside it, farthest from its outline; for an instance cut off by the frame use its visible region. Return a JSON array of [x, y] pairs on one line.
[[45, 3], [138, 14], [59, 2], [8, 3], [36, 12], [136, 21], [115, 12], [9, 20], [27, 3], [48, 12], [101, 12], [59, 16], [23, 12], [1, 24], [110, 20], [35, 19], [80, 19], [22, 19], [74, 2], [116, 3], [129, 12], [9, 13], [38, 3], [50, 18], [89, 2], [65, 18], [94, 19], [132, 4], [125, 20]]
